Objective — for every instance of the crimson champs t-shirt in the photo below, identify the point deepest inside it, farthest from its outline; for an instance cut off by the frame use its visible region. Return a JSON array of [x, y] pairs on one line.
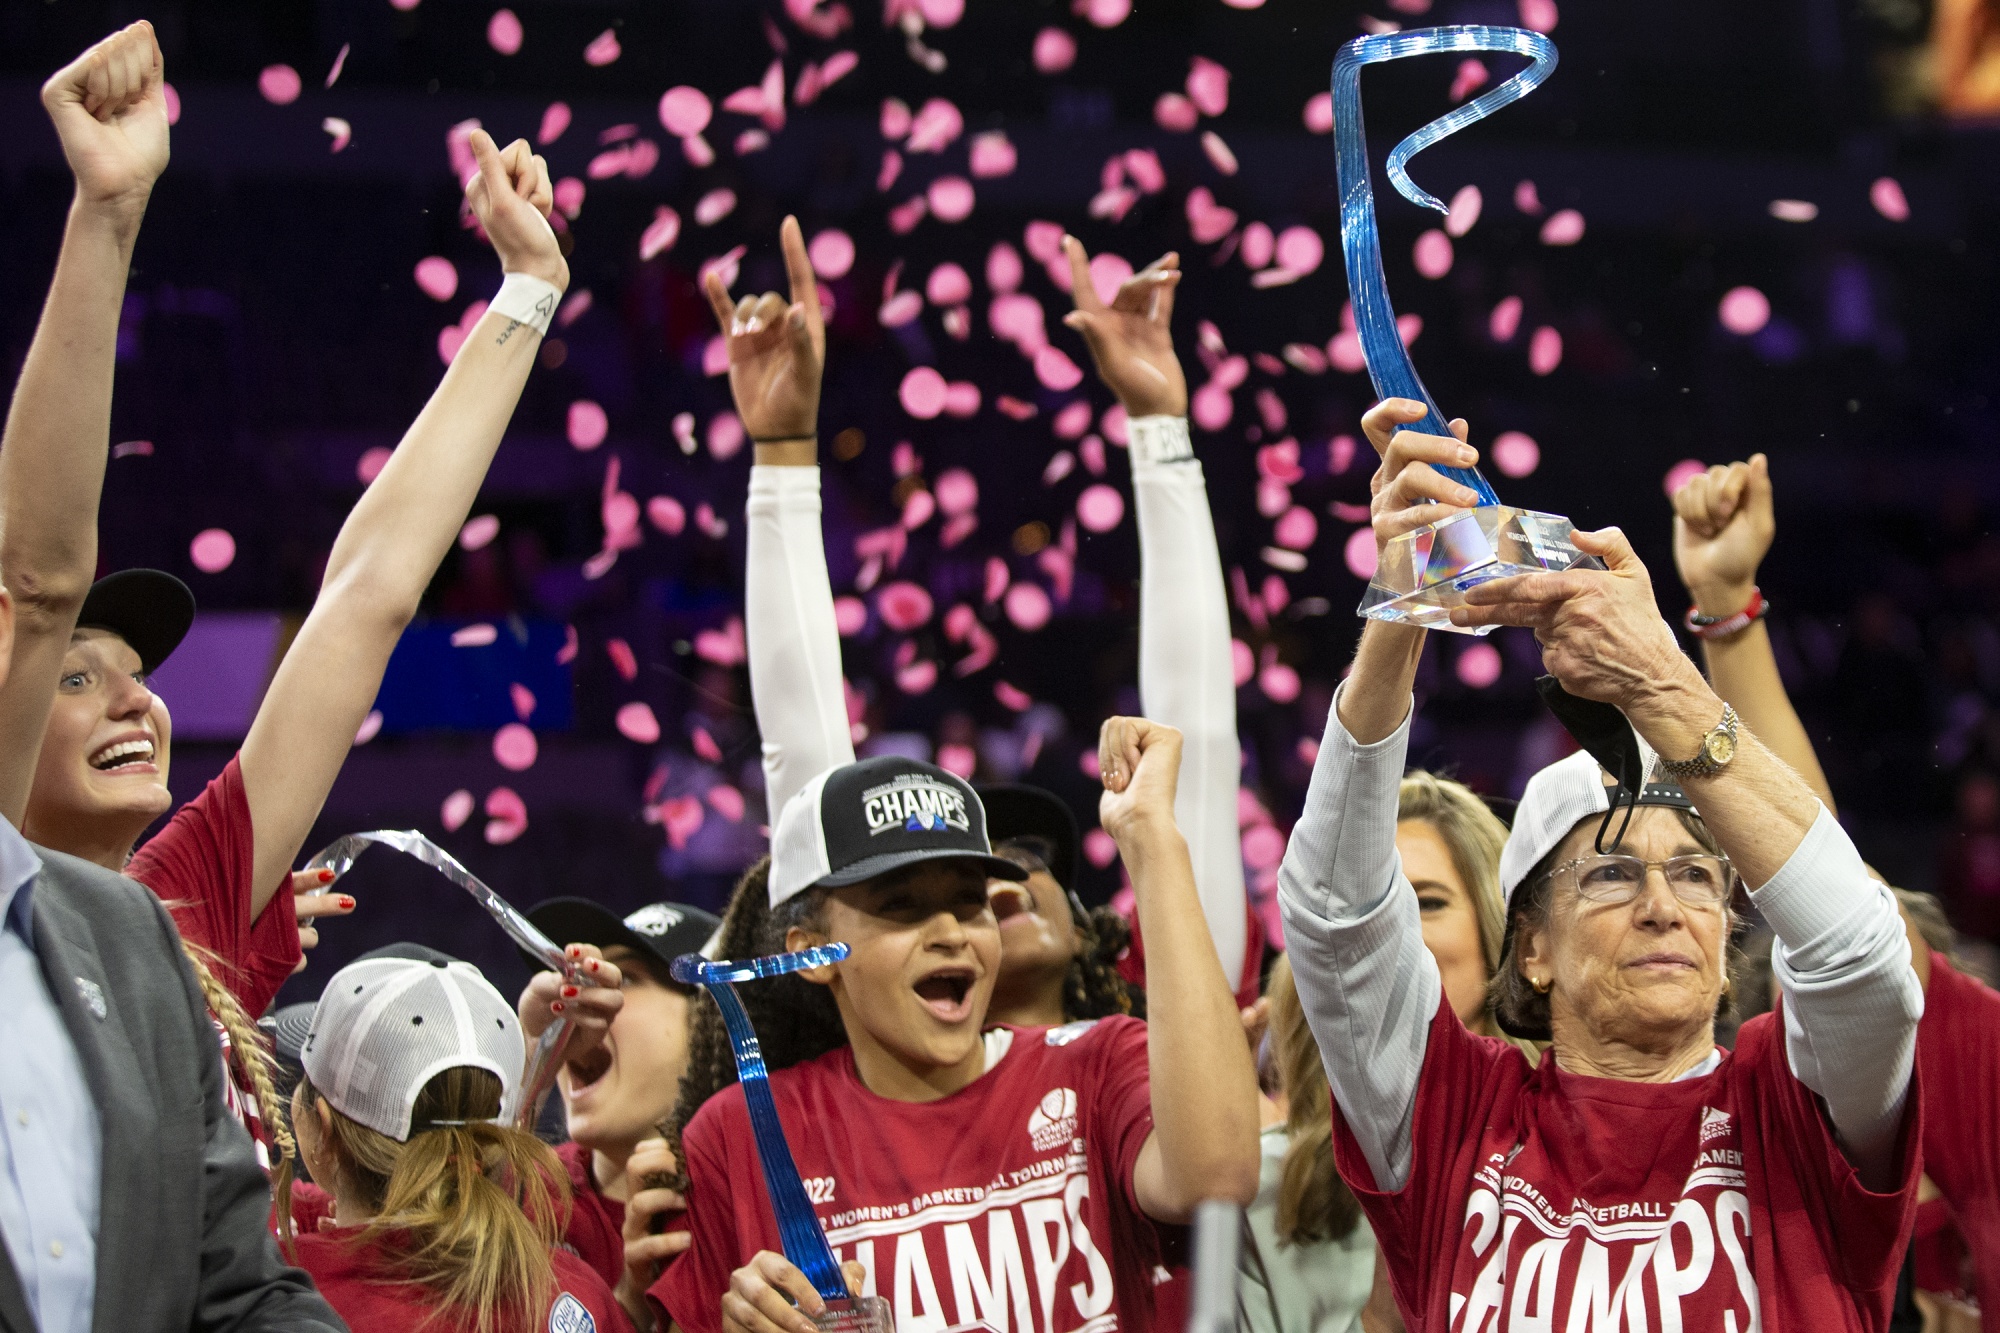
[[1008, 1202], [1552, 1202], [596, 1231], [1958, 1057]]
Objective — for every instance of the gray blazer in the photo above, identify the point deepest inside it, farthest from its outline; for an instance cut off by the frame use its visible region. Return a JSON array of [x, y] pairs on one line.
[[183, 1241]]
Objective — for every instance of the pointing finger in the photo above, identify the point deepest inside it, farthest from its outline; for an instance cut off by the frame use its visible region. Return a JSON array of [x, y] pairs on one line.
[[798, 267]]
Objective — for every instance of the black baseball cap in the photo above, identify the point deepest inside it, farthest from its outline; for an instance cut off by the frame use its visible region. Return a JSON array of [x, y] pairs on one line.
[[876, 815], [1016, 810], [657, 932], [148, 608]]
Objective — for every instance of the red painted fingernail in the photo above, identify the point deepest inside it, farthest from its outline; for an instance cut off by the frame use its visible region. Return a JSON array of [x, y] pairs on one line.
[[326, 877], [346, 902], [556, 1007], [593, 965], [570, 992]]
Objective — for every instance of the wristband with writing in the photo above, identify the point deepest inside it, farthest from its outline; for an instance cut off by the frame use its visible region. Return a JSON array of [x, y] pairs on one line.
[[1721, 627], [527, 300]]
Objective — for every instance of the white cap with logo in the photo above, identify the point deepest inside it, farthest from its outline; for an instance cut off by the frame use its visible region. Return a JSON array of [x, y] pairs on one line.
[[385, 1027]]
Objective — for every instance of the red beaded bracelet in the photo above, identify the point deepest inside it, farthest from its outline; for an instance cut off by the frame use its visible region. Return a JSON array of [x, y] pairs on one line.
[[1721, 627]]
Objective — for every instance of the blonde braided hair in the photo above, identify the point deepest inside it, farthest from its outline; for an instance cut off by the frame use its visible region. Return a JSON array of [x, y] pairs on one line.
[[250, 1055]]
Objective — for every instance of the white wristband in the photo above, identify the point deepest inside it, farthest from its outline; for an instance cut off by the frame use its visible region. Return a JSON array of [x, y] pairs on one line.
[[527, 300], [1158, 439]]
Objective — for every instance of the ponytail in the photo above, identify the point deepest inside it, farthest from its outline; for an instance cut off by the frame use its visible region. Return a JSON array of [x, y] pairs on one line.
[[795, 1019], [468, 1208], [248, 1053]]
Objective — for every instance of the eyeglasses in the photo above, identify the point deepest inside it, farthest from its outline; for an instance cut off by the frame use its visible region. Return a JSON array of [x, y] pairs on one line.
[[1698, 880]]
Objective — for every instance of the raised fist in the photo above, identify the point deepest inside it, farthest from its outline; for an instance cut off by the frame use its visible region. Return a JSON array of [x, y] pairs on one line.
[[109, 106], [1140, 762], [1132, 340], [511, 196], [1723, 526], [777, 348]]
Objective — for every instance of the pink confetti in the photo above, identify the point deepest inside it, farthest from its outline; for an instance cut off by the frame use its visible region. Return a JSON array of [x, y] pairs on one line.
[[667, 514], [279, 84], [479, 532], [726, 801], [961, 399], [506, 815], [437, 277], [1100, 508], [714, 206], [173, 101], [922, 393], [1300, 250], [567, 653], [1018, 318], [917, 678], [1360, 554], [1218, 152], [900, 309], [1340, 456], [1263, 847], [514, 748], [523, 700], [903, 606], [1505, 321], [1681, 473], [918, 509], [1545, 350], [725, 436], [339, 131], [369, 728], [339, 63], [1143, 165], [132, 449], [1056, 371], [951, 198], [1343, 352], [724, 647], [1102, 13], [714, 359], [1091, 450], [660, 234], [1305, 358], [936, 125], [1279, 683], [1176, 113], [1539, 15], [941, 13], [1208, 86], [850, 616], [1207, 220], [475, 636], [685, 110], [1055, 50], [1243, 662], [1465, 206], [992, 154], [697, 151], [948, 284], [1296, 528], [622, 659], [1433, 254], [1060, 466], [457, 808], [1744, 310], [1516, 454], [682, 818], [371, 463], [1028, 606], [587, 425], [1470, 76], [1478, 665], [1072, 421], [1526, 199], [1886, 194], [1108, 272], [1257, 245], [836, 67], [831, 253], [1793, 210], [1564, 228], [895, 118], [1318, 115], [1003, 268], [554, 121], [635, 722], [904, 217], [569, 191], [997, 578], [1099, 848], [212, 550], [603, 49], [957, 491], [503, 32]]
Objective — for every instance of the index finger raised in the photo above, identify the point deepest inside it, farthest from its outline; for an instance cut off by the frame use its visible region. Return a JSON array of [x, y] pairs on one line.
[[798, 267]]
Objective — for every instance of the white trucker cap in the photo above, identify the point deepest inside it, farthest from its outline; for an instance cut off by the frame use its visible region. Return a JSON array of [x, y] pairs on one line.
[[1563, 795], [385, 1027]]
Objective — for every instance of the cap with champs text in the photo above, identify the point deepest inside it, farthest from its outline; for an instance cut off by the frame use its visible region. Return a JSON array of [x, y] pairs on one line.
[[876, 815], [385, 1027]]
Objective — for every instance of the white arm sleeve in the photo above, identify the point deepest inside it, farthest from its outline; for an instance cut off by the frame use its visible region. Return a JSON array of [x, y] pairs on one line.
[[1368, 985], [795, 682], [1186, 677], [1851, 999]]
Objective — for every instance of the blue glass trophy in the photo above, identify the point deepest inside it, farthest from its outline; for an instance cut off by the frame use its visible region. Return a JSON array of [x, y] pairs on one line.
[[799, 1231], [1423, 574]]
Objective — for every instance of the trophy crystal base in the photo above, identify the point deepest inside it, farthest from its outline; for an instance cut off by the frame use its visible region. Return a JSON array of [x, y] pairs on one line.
[[1424, 574], [858, 1314]]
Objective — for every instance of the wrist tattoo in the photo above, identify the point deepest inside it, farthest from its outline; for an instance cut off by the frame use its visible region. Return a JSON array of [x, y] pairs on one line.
[[507, 332]]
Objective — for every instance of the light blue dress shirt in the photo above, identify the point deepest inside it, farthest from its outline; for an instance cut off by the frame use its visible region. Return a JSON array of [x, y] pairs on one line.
[[51, 1143]]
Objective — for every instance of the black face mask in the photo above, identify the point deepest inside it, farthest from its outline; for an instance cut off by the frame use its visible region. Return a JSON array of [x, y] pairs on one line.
[[1607, 736]]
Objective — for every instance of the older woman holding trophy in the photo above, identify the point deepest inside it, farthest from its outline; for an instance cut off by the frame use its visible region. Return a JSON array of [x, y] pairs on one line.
[[1638, 1176]]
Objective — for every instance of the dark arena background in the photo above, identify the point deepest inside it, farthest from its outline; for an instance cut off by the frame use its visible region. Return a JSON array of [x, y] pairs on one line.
[[1719, 228]]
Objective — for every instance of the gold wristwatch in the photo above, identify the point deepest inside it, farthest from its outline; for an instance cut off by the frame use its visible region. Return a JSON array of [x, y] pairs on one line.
[[1718, 747]]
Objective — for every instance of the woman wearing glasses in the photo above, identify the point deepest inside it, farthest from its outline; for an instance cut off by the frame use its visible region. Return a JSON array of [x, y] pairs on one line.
[[1638, 1176]]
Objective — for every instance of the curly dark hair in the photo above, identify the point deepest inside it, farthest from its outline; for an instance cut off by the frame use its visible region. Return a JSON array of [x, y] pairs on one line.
[[1523, 1011], [795, 1019], [1093, 988]]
